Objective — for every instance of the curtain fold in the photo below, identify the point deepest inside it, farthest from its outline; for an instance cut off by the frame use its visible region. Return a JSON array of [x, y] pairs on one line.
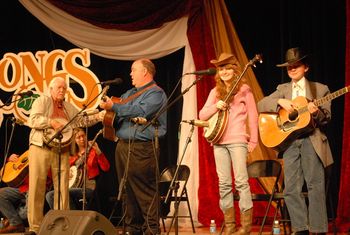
[[343, 211], [112, 43], [130, 15]]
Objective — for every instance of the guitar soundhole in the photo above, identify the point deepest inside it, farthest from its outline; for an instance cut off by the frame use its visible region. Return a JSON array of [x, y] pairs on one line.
[[293, 115]]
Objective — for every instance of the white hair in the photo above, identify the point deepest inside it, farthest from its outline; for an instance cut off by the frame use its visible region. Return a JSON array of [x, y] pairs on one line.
[[54, 81]]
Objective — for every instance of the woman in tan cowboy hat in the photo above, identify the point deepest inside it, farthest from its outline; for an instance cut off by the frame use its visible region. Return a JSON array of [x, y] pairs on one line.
[[306, 156], [230, 151]]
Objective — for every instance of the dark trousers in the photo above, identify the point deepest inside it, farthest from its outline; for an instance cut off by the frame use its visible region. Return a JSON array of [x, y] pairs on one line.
[[140, 200]]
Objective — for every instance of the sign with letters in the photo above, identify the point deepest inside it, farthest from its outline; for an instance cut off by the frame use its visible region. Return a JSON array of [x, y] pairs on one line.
[[34, 71]]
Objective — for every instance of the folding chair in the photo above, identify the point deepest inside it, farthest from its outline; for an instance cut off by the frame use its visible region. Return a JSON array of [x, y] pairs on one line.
[[260, 169], [166, 178]]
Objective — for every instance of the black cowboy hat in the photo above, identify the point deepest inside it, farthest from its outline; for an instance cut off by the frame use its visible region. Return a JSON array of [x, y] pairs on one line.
[[293, 55]]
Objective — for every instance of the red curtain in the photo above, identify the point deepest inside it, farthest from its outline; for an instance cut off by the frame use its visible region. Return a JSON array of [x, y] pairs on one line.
[[202, 49], [343, 212]]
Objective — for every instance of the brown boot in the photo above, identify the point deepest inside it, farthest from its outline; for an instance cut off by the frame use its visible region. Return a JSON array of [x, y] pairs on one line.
[[230, 221], [246, 222]]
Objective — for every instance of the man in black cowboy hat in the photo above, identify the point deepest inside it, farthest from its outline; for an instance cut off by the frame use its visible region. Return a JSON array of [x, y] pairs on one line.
[[307, 153]]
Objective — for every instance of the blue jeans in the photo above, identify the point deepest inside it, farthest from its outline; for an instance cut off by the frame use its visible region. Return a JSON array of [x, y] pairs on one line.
[[228, 156], [75, 197], [301, 164], [10, 200]]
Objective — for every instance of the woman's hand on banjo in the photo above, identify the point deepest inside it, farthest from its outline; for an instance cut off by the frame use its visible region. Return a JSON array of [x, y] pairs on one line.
[[221, 105]]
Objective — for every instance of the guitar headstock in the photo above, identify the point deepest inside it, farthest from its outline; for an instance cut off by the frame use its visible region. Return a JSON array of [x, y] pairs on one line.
[[104, 92], [257, 58]]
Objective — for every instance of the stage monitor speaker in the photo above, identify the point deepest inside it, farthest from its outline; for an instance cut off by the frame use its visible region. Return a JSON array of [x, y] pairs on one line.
[[75, 222]]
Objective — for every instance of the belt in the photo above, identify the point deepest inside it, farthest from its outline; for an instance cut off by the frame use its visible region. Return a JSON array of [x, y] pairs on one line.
[[64, 149], [126, 141]]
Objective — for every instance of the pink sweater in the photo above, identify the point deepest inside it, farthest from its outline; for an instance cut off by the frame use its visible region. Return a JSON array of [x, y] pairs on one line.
[[242, 107]]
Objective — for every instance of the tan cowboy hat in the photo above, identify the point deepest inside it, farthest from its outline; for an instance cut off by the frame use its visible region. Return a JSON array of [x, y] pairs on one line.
[[225, 58], [293, 55]]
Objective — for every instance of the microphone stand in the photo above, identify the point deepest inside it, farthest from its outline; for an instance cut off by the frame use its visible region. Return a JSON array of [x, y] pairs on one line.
[[174, 184], [58, 135], [86, 154], [7, 150], [8, 103], [162, 110], [154, 121]]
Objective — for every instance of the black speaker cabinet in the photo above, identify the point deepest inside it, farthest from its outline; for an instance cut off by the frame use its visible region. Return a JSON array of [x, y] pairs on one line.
[[75, 222]]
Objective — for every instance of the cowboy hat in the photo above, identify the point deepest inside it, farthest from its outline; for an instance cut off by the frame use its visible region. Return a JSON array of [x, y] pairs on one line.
[[225, 58], [293, 55]]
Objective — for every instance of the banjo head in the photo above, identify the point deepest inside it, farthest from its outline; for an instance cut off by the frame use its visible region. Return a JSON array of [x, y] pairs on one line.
[[67, 134]]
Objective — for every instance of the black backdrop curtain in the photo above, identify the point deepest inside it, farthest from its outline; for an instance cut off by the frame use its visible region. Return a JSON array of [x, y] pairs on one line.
[[26, 33]]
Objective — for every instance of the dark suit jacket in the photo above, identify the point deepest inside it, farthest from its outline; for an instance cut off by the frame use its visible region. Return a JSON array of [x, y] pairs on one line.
[[314, 90]]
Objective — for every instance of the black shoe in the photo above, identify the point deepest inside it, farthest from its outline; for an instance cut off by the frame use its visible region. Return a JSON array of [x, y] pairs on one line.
[[13, 229], [304, 232], [30, 233]]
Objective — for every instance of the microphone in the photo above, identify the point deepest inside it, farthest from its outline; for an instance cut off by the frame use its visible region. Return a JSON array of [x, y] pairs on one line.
[[17, 121], [26, 93], [199, 123], [210, 71], [139, 120], [89, 112], [116, 81]]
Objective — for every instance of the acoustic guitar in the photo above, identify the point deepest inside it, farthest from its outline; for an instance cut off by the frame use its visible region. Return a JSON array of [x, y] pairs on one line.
[[109, 122], [15, 172], [218, 122], [109, 126], [278, 130]]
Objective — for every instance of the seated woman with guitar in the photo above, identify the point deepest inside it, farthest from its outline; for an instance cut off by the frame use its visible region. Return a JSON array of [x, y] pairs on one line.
[[96, 160], [233, 100]]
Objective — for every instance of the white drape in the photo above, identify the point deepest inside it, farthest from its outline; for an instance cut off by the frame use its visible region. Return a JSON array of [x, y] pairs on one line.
[[125, 45]]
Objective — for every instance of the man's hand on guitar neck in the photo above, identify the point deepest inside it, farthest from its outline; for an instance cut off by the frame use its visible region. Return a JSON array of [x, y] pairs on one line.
[[106, 103], [313, 109]]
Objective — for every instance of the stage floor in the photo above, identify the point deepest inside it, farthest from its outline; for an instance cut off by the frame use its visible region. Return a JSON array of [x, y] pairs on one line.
[[199, 231], [204, 231]]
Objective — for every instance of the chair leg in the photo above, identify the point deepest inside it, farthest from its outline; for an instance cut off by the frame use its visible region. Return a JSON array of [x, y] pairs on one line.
[[190, 212], [222, 228], [164, 229], [266, 213]]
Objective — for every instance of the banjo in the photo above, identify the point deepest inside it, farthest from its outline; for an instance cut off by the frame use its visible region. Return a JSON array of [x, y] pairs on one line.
[[76, 177], [76, 171], [67, 133], [218, 122], [87, 118]]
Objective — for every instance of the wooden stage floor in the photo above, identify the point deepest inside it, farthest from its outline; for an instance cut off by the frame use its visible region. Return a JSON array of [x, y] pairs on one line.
[[201, 231]]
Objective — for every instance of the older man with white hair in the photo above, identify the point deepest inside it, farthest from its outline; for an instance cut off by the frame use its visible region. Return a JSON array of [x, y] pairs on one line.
[[49, 114]]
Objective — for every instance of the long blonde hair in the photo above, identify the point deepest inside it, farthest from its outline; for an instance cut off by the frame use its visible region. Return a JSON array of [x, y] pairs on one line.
[[222, 89]]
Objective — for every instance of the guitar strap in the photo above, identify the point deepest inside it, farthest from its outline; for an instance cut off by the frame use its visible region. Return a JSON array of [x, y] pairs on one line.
[[137, 94]]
